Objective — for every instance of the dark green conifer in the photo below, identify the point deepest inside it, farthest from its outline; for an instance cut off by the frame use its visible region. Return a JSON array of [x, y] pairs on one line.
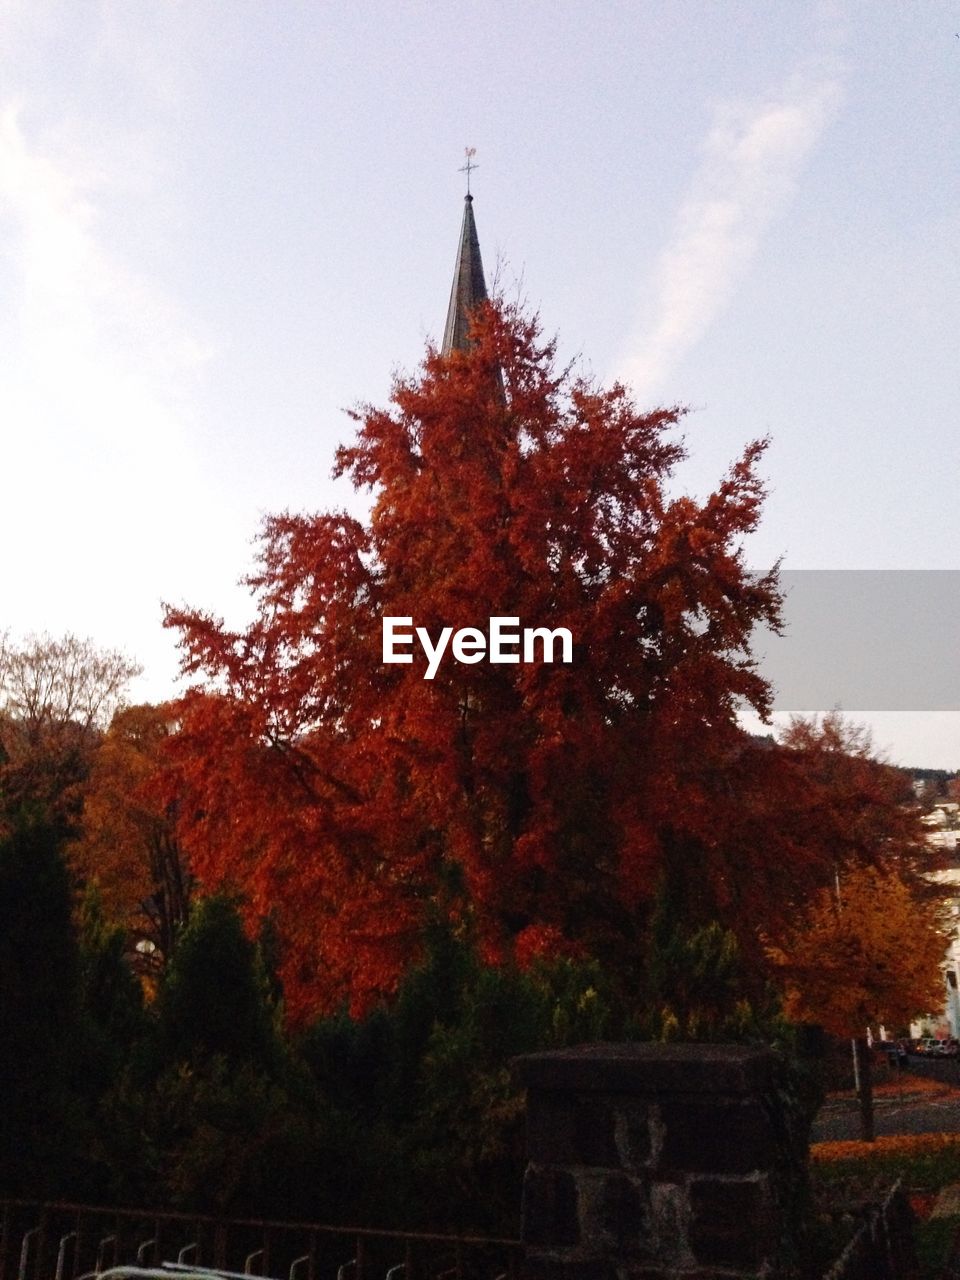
[[38, 1010]]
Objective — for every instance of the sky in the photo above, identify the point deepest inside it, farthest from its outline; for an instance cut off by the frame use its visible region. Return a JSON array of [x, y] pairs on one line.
[[223, 225]]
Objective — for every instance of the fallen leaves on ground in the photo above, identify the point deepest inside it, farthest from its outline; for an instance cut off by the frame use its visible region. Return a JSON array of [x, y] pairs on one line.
[[908, 1084], [907, 1144]]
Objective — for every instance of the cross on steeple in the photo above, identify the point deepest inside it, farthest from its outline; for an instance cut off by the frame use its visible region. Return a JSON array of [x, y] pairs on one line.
[[469, 287], [469, 167]]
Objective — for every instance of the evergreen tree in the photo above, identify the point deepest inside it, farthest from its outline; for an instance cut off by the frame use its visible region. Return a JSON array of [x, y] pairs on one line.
[[216, 1117], [214, 999], [111, 998], [38, 1011]]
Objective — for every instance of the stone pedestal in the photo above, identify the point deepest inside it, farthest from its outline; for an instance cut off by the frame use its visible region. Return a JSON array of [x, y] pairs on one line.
[[652, 1160]]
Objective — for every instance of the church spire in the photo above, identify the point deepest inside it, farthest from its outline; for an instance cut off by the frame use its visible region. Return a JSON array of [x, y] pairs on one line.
[[469, 287]]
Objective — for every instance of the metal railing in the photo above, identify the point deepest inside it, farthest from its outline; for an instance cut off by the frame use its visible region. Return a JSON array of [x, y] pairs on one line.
[[882, 1248], [64, 1241]]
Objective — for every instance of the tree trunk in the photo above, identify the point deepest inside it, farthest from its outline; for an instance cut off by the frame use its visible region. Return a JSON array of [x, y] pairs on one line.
[[865, 1089]]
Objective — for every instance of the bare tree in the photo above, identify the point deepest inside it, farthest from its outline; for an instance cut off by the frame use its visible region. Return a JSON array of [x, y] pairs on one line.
[[46, 681], [56, 698]]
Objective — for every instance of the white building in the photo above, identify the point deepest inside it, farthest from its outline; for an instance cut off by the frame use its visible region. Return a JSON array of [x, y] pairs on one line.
[[946, 1022]]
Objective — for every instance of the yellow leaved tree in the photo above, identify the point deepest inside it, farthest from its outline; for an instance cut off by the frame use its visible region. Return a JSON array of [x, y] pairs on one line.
[[868, 951]]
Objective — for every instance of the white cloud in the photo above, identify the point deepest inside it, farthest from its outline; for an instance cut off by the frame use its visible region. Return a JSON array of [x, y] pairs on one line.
[[107, 332], [753, 156], [102, 486]]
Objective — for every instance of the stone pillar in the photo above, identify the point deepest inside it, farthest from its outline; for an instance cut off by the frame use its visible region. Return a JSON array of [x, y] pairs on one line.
[[652, 1160]]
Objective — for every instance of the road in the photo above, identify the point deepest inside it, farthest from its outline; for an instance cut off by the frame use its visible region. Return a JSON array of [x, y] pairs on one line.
[[840, 1121]]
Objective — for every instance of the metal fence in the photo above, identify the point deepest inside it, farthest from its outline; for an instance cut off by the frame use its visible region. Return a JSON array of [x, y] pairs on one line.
[[61, 1241], [882, 1248]]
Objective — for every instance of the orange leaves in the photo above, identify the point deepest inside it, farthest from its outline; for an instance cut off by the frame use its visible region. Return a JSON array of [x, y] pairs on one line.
[[907, 1144], [867, 951], [539, 942], [127, 842], [355, 800]]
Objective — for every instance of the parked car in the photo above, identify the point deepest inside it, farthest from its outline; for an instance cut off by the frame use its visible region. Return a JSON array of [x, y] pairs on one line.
[[937, 1047], [894, 1050], [927, 1047]]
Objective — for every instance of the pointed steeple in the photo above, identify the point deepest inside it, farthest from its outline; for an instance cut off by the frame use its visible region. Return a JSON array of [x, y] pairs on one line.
[[469, 287]]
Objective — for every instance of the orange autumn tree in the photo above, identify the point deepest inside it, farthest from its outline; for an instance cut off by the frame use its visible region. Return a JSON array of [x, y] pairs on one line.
[[865, 952], [865, 806], [533, 804], [127, 844], [844, 962]]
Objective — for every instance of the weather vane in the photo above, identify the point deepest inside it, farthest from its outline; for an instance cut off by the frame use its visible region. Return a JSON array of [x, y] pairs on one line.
[[469, 167]]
